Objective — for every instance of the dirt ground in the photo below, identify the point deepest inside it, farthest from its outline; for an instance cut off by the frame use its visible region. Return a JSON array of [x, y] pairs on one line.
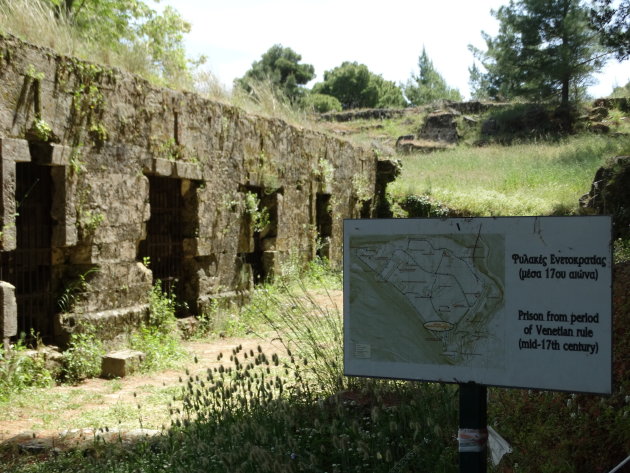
[[62, 416]]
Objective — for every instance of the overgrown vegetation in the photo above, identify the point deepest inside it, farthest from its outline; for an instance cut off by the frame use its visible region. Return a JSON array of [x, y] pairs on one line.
[[20, 370], [82, 359], [293, 411], [130, 35], [538, 178], [158, 337]]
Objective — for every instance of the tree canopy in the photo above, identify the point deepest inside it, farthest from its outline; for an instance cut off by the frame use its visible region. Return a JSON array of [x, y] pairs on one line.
[[281, 66], [613, 25], [356, 87], [428, 85], [545, 50], [131, 27]]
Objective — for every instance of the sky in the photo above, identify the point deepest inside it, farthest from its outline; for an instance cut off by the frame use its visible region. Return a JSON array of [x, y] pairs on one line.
[[386, 35]]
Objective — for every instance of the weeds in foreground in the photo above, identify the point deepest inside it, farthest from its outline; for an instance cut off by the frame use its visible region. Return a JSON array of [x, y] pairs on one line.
[[82, 359], [308, 324], [257, 413], [262, 413], [20, 370]]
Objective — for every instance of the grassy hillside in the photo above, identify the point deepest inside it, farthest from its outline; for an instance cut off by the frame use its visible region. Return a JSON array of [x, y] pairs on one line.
[[529, 170], [524, 179]]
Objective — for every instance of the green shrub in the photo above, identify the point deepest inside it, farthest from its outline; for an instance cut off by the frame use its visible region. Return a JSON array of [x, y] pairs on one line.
[[158, 338], [423, 206], [20, 370], [323, 103], [82, 359]]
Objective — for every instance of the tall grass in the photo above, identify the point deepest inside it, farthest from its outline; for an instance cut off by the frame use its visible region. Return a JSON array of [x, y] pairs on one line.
[[264, 99], [524, 179], [34, 21]]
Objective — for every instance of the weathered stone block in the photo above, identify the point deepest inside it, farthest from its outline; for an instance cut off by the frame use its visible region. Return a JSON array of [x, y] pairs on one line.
[[114, 252], [188, 171], [60, 155], [158, 167], [8, 308], [121, 363], [268, 244], [51, 154], [269, 261], [63, 211], [7, 205], [15, 150]]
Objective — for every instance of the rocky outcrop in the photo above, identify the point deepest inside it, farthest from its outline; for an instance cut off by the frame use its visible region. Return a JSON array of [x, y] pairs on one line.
[[610, 195], [622, 103], [408, 145], [127, 183], [364, 114], [441, 127]]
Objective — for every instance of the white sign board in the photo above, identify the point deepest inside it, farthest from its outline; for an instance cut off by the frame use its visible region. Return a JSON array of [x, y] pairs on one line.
[[521, 302]]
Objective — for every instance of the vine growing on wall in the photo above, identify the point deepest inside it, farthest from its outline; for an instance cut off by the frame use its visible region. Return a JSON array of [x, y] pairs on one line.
[[259, 216], [88, 101]]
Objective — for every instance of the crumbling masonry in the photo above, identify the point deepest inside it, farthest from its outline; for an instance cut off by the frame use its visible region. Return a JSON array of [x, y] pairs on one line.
[[109, 183]]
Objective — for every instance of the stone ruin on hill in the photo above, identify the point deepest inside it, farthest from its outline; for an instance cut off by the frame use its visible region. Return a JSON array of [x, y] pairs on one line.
[[109, 183]]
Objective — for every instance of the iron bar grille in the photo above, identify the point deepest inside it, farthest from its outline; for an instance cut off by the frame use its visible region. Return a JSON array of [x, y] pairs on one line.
[[164, 243], [28, 267]]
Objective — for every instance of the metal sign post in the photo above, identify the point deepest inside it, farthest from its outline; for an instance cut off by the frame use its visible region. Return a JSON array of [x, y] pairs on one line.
[[473, 433]]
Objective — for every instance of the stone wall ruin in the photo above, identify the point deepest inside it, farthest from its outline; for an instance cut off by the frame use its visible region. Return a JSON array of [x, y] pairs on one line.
[[109, 183]]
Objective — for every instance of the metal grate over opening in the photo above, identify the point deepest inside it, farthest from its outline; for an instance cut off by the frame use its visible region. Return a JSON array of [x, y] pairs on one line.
[[163, 245], [28, 267]]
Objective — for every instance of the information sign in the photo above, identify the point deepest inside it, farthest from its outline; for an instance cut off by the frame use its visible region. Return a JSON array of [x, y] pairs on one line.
[[513, 301]]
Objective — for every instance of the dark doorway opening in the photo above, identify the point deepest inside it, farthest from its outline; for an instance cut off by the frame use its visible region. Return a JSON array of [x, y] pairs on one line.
[[323, 222], [163, 248], [28, 267]]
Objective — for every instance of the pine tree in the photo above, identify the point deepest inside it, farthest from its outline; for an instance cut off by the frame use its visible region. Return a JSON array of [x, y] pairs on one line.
[[612, 23], [428, 85], [544, 50]]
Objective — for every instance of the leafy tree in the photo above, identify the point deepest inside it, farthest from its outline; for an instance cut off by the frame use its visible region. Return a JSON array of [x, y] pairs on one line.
[[544, 50], [613, 25], [428, 85], [356, 87], [132, 27], [281, 66]]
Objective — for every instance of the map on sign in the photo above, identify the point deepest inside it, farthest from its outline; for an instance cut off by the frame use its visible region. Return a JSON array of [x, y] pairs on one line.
[[505, 301], [443, 290]]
